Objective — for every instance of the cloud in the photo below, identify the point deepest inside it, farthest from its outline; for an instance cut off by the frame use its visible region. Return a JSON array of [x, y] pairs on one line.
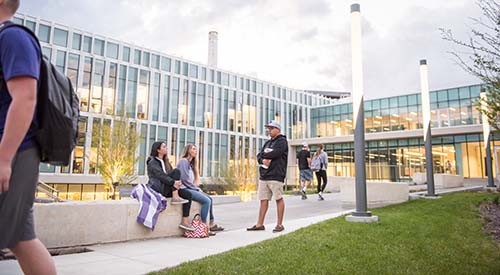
[[298, 44]]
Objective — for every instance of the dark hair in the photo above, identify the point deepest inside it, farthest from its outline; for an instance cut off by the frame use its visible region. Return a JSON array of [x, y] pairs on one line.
[[154, 153]]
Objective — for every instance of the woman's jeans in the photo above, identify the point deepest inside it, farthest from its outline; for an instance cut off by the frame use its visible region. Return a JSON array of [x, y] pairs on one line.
[[321, 175], [206, 204]]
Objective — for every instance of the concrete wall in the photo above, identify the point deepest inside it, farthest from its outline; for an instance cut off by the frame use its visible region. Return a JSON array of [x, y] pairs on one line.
[[334, 183], [378, 193], [448, 181], [77, 223]]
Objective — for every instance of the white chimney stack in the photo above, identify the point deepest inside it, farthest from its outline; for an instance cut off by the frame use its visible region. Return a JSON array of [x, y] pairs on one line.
[[212, 49]]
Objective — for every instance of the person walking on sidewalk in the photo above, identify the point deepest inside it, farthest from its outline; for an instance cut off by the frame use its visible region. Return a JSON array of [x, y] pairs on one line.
[[20, 59], [166, 181], [273, 159], [319, 164], [305, 172]]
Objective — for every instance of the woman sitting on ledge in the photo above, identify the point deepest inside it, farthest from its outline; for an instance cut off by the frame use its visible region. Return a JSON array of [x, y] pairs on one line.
[[166, 181], [188, 165]]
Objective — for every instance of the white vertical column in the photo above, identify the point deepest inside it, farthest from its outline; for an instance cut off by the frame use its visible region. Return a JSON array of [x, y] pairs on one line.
[[212, 49]]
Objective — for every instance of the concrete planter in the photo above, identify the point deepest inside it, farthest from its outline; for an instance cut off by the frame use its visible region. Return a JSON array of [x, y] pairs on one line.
[[448, 180], [78, 223], [378, 193]]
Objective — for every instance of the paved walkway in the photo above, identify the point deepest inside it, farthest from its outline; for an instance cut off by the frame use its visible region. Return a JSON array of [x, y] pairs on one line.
[[140, 257]]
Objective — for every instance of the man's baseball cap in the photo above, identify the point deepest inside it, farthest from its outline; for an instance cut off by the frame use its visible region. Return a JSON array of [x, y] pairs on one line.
[[273, 123], [305, 144]]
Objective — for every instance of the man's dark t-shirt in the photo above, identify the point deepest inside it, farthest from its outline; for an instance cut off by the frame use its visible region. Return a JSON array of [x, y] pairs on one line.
[[302, 156]]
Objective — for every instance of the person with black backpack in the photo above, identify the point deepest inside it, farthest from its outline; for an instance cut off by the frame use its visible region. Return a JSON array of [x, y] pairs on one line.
[[20, 59]]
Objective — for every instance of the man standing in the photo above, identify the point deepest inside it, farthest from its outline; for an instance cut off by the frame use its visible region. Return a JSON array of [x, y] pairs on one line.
[[304, 162], [273, 162], [20, 58]]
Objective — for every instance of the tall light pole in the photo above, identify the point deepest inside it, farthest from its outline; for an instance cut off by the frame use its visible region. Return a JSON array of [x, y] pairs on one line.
[[486, 137], [362, 214], [426, 111]]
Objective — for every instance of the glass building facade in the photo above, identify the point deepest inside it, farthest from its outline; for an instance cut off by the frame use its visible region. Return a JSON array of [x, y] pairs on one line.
[[169, 99], [224, 113], [393, 129]]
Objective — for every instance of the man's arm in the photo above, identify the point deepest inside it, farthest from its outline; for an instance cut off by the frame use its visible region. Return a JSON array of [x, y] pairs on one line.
[[279, 149], [19, 116]]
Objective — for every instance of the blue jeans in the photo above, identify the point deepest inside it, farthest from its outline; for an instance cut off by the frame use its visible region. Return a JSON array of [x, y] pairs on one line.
[[206, 204]]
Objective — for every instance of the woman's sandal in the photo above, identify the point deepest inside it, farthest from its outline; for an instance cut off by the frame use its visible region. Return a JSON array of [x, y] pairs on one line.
[[216, 228]]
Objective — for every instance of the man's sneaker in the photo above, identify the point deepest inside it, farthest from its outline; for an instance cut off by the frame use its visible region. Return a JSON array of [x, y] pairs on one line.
[[178, 201], [186, 227], [320, 198]]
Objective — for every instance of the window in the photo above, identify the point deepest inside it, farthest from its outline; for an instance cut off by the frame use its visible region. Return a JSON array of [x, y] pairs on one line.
[[87, 44], [31, 25], [60, 37], [18, 20], [77, 41], [193, 71], [99, 47], [112, 50], [165, 64], [126, 54], [61, 61], [44, 33], [145, 59], [155, 61], [137, 57]]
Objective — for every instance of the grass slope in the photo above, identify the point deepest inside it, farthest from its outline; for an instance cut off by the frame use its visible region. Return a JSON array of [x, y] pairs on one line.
[[442, 236]]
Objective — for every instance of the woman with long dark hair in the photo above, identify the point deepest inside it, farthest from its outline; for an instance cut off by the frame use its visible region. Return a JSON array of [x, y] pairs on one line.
[[188, 166], [166, 181]]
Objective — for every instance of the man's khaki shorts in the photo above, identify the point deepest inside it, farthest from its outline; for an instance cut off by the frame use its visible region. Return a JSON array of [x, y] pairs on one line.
[[270, 188]]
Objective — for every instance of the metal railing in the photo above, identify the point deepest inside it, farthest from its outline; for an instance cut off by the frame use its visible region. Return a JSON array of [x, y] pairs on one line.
[[49, 191]]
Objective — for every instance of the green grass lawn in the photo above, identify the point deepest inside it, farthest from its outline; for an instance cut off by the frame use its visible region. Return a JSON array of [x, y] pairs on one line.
[[442, 236]]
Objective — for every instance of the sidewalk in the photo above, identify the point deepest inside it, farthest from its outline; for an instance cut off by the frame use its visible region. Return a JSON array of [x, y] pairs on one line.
[[152, 255]]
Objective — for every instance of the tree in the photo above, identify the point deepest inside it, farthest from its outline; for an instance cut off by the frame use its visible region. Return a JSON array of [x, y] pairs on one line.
[[482, 56], [118, 141]]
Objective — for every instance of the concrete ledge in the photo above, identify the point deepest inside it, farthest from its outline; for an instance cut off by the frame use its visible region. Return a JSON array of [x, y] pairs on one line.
[[448, 180], [369, 219], [334, 183], [77, 223], [419, 178], [378, 193], [222, 199]]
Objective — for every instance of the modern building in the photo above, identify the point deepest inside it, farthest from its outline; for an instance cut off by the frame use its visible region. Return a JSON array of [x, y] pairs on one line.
[[224, 113]]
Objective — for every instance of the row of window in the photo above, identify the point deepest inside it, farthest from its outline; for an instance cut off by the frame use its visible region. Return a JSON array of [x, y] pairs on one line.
[[113, 50]]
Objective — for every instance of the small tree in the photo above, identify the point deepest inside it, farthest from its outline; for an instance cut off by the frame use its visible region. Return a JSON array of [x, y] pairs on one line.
[[482, 56], [116, 152]]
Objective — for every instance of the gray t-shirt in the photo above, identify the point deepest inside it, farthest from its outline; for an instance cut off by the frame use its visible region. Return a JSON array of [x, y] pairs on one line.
[[187, 174]]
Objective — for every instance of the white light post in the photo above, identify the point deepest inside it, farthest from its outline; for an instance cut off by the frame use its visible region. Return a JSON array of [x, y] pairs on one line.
[[362, 214], [426, 111]]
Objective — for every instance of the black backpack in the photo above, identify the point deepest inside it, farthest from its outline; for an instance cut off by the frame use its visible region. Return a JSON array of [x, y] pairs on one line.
[[58, 111]]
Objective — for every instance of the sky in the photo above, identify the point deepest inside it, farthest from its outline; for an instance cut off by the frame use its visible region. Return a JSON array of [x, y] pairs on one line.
[[300, 44]]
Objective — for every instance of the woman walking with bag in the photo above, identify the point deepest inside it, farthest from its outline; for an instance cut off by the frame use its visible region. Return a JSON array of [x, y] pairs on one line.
[[319, 164]]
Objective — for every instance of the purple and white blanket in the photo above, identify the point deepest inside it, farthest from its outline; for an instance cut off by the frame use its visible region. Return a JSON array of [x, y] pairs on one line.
[[151, 204]]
